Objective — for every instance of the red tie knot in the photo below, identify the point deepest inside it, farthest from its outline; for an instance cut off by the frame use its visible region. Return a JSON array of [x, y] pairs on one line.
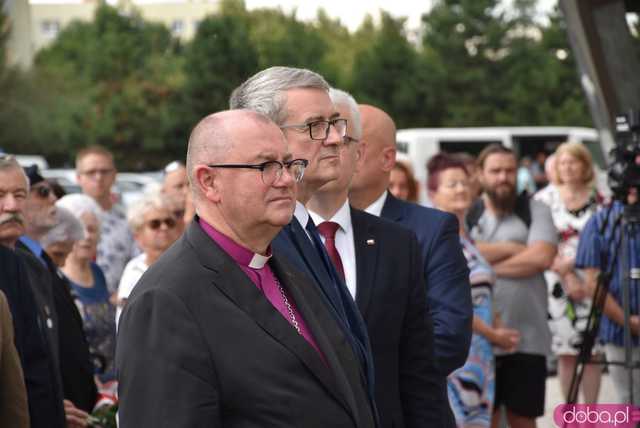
[[328, 229]]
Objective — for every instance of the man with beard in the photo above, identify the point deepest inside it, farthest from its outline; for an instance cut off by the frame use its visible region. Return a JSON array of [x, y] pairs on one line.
[[517, 236]]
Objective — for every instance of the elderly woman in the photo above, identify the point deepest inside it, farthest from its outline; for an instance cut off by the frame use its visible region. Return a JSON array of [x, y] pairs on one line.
[[572, 200], [88, 283], [58, 242], [471, 388], [402, 183], [155, 227]]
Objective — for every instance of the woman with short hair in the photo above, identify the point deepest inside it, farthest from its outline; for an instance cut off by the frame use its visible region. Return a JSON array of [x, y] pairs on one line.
[[471, 388]]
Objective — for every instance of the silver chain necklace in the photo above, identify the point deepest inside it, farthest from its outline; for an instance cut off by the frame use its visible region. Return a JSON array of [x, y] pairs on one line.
[[292, 316]]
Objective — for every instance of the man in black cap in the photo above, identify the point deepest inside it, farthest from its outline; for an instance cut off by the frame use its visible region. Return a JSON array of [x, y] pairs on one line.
[[70, 348], [33, 341]]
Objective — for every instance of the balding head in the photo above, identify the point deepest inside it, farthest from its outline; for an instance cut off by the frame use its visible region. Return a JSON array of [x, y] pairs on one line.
[[212, 138], [379, 138]]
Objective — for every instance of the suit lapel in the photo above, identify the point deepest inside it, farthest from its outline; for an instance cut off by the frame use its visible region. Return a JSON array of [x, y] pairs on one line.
[[312, 259], [392, 209], [227, 276], [316, 318], [366, 247]]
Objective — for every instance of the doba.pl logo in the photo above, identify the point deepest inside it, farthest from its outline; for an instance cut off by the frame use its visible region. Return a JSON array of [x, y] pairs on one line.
[[596, 415]]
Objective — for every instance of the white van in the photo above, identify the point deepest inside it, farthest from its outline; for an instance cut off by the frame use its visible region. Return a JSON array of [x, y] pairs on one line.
[[418, 145]]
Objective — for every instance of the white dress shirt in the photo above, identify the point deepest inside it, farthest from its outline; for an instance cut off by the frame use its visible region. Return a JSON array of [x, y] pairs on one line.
[[344, 243], [302, 215], [376, 207]]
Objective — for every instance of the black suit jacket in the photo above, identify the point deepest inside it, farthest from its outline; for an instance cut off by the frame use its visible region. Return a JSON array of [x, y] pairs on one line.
[[200, 346], [73, 357], [390, 293], [42, 376]]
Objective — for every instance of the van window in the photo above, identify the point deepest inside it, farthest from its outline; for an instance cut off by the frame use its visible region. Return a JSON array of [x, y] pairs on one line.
[[597, 154], [471, 147], [531, 145]]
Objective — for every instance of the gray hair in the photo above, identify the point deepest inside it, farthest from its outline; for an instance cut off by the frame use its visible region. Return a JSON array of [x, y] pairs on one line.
[[10, 162], [80, 204], [343, 98], [137, 211], [67, 228], [264, 92]]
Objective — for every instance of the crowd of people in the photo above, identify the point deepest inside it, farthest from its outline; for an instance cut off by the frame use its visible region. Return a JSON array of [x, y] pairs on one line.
[[284, 276]]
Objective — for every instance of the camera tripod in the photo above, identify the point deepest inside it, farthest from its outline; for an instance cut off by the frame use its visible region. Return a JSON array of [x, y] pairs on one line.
[[627, 224]]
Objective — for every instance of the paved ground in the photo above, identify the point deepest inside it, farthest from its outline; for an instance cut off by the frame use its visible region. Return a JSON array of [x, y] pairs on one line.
[[554, 397]]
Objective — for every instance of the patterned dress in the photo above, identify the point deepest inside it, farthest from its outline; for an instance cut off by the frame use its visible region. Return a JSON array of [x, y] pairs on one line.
[[471, 388], [98, 316], [567, 318]]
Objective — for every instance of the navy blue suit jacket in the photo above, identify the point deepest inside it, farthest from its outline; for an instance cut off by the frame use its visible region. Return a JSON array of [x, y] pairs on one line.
[[446, 275], [410, 392], [293, 243]]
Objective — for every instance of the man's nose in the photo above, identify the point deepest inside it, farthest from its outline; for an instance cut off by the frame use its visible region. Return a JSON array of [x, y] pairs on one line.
[[334, 137], [9, 203]]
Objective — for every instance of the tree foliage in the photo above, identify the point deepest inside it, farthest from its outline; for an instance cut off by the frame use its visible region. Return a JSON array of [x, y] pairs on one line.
[[128, 84]]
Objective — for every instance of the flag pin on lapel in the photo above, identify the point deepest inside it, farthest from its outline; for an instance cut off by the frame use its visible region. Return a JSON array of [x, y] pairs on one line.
[[371, 241]]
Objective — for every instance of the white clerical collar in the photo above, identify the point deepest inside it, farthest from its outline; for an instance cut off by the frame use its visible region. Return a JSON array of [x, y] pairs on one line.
[[376, 207], [258, 261], [342, 217]]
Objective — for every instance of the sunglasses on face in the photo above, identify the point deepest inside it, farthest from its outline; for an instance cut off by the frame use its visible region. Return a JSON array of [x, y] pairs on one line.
[[155, 224]]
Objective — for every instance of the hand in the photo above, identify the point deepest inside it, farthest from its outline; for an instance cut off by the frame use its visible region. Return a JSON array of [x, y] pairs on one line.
[[76, 418], [634, 324], [506, 338], [562, 265], [574, 287]]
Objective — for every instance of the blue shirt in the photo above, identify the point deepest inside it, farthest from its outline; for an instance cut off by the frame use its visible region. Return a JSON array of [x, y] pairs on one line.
[[590, 248], [33, 246]]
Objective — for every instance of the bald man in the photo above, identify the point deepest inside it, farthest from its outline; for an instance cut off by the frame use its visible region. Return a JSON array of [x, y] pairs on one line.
[[220, 331], [445, 267]]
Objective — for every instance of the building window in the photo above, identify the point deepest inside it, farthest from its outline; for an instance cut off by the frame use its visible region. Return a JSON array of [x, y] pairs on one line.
[[50, 28], [177, 27]]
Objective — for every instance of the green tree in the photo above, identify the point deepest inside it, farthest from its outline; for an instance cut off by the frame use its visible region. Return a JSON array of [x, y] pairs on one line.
[[220, 57], [117, 77], [387, 72]]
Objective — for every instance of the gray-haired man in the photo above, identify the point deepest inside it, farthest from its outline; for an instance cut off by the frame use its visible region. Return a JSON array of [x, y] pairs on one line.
[[298, 101]]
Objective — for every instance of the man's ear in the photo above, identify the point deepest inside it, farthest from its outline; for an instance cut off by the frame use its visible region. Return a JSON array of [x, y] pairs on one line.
[[207, 183], [388, 158], [361, 147]]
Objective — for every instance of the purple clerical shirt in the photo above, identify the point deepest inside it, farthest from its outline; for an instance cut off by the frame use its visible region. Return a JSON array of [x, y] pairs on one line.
[[260, 273]]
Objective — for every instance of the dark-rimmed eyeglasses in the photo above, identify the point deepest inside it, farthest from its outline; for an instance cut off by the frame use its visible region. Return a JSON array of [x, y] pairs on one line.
[[272, 170], [319, 129], [156, 223]]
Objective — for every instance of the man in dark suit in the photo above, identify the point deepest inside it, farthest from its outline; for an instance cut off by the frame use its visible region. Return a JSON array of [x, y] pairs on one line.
[[64, 320], [297, 100], [41, 372], [220, 331], [445, 268], [382, 267]]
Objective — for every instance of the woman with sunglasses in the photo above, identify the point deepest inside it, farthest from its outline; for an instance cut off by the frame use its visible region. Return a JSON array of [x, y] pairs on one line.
[[89, 285], [155, 227]]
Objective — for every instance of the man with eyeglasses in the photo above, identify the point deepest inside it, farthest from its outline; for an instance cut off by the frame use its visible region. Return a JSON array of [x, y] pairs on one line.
[[297, 100], [96, 174], [34, 340], [220, 331], [381, 264], [62, 321]]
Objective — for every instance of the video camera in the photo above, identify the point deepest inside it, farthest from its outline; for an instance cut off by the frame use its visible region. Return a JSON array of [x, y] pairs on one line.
[[624, 171]]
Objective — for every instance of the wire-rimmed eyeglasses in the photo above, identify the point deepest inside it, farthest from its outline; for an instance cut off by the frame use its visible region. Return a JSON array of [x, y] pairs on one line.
[[272, 170]]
